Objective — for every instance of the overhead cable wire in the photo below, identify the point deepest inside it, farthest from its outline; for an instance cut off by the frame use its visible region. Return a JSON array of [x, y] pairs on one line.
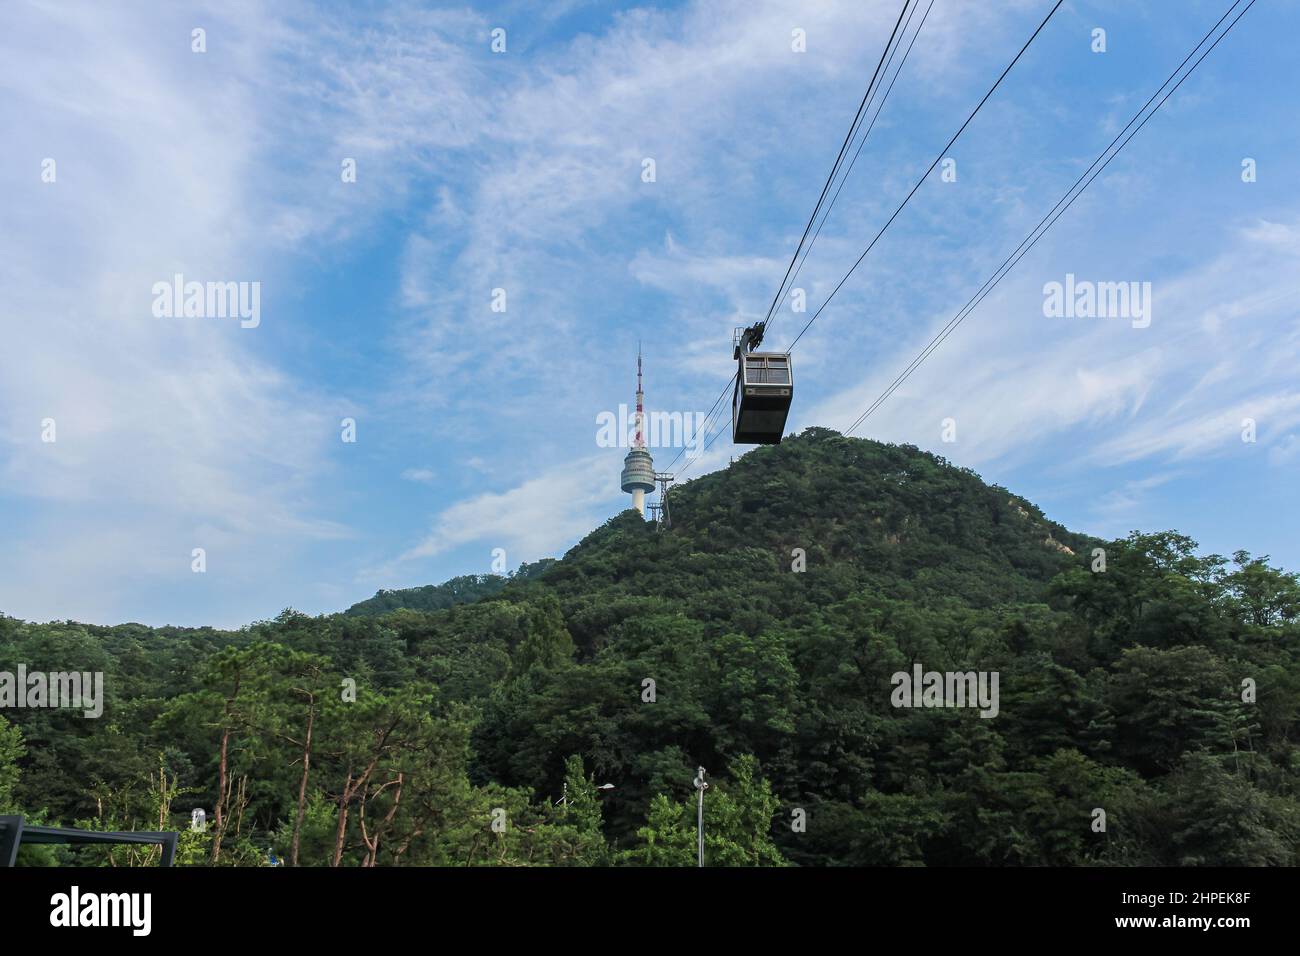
[[996, 83], [1091, 173], [872, 88], [943, 152], [867, 97], [830, 206]]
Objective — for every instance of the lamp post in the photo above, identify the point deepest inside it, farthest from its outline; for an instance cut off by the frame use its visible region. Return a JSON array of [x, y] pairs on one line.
[[564, 793], [701, 785]]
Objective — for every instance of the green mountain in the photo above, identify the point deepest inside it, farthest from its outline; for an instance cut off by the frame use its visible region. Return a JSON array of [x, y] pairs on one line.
[[1146, 711]]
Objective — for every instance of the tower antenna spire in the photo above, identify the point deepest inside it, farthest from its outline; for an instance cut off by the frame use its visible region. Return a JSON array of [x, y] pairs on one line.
[[640, 402]]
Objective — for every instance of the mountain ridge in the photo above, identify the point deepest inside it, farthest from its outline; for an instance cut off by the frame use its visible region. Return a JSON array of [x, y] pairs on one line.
[[760, 637], [892, 520]]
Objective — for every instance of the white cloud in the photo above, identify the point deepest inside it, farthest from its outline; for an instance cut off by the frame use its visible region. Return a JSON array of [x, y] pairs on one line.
[[168, 430], [521, 172], [422, 475], [1123, 507], [708, 91], [1015, 380], [536, 519]]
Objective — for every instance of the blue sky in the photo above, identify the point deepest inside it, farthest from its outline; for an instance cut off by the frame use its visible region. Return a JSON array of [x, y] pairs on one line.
[[522, 171]]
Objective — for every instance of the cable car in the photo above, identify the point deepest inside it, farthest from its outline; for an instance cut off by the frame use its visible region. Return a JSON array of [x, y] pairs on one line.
[[764, 389]]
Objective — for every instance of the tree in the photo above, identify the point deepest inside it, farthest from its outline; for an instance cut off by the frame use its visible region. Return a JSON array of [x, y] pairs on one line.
[[1260, 595], [580, 817], [1164, 689], [737, 825], [375, 736], [1208, 816], [1169, 702], [11, 752]]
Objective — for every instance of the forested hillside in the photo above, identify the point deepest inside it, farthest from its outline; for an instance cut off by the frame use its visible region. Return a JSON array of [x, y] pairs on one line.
[[758, 638]]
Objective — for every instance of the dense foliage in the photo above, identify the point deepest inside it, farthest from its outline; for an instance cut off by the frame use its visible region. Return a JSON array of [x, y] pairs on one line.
[[757, 637], [436, 597]]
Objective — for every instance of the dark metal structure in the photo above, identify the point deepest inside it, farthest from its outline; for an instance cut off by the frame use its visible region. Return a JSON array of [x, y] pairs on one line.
[[14, 833], [663, 517], [764, 390]]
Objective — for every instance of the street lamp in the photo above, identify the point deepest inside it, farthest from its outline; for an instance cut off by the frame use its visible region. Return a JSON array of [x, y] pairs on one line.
[[564, 793], [701, 785]]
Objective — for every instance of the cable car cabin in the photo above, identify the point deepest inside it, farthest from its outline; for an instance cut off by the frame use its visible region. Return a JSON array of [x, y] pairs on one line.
[[761, 402]]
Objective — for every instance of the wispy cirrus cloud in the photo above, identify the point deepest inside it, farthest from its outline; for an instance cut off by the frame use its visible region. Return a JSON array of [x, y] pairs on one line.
[[168, 434], [523, 172], [529, 521], [1181, 388]]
